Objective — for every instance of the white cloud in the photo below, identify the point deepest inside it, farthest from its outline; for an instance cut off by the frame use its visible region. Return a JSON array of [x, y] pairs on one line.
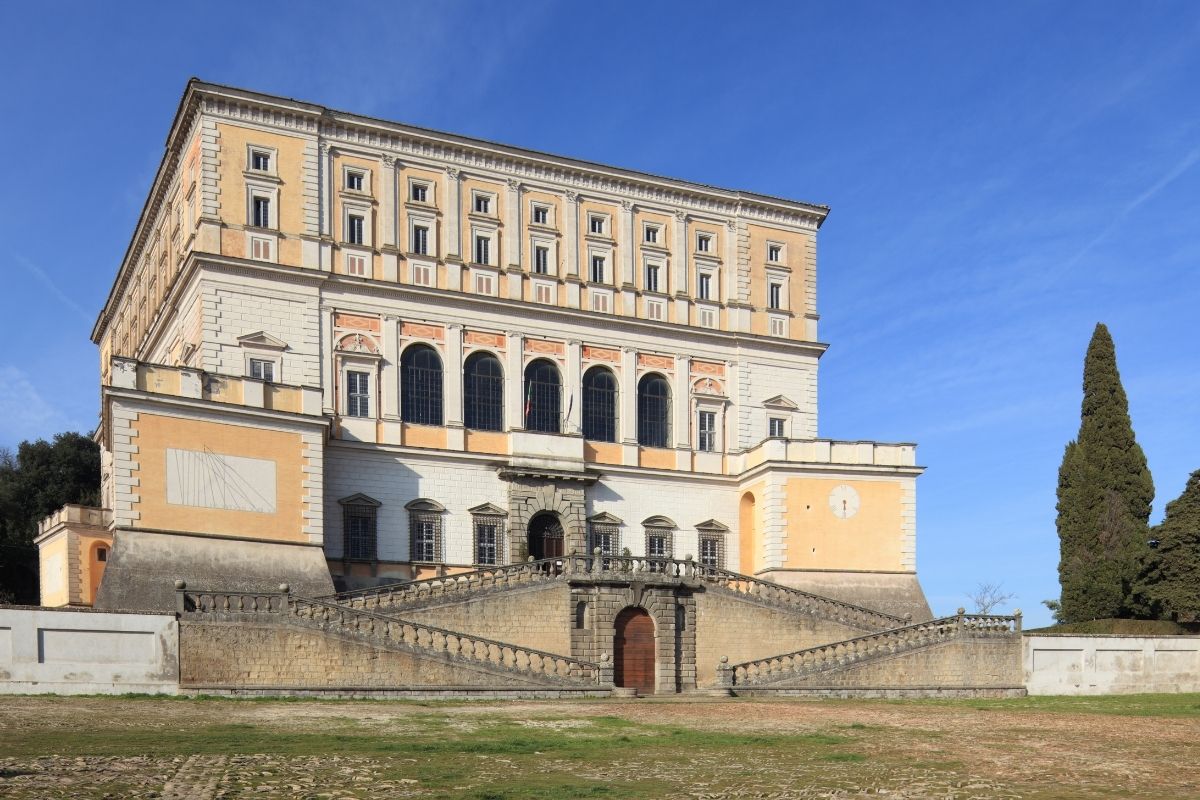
[[24, 413]]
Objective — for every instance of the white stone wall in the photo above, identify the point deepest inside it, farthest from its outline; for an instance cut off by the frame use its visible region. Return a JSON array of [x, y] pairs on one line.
[[760, 380], [686, 502], [71, 651], [1083, 665]]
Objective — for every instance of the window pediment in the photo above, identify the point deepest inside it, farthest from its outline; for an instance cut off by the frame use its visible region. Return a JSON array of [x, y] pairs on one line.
[[425, 504], [659, 521], [605, 518], [488, 509], [262, 339], [779, 401], [360, 500], [711, 525]]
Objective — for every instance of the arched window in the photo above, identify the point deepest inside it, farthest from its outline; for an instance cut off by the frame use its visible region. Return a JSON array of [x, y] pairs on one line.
[[543, 397], [421, 386], [654, 411], [599, 405], [483, 393]]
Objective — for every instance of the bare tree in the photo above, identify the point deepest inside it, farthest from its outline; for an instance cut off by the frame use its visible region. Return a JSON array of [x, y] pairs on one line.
[[989, 595]]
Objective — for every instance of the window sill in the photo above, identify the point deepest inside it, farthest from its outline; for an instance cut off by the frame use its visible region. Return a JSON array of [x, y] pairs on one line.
[[416, 205], [269, 177]]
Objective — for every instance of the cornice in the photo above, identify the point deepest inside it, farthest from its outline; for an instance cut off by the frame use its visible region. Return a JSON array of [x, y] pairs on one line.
[[514, 162]]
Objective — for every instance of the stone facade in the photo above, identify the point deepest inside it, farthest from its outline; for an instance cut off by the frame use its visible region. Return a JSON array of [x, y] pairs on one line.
[[530, 495]]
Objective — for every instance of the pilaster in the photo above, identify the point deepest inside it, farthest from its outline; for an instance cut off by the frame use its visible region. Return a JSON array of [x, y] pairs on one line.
[[514, 384], [452, 247], [389, 386], [453, 372], [574, 381]]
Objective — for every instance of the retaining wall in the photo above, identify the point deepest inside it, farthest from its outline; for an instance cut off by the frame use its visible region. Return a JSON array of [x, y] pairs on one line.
[[1060, 664]]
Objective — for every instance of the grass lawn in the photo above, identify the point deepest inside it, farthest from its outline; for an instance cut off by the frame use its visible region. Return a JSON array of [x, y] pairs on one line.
[[1127, 746]]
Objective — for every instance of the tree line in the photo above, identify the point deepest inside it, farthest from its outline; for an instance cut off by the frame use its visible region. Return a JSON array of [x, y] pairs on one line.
[[1113, 563]]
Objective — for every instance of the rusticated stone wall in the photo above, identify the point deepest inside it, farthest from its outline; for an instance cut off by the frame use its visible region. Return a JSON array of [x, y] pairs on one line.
[[743, 629], [248, 653]]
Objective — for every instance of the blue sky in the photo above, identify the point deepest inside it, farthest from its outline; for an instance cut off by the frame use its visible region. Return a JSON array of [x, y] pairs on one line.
[[1002, 177]]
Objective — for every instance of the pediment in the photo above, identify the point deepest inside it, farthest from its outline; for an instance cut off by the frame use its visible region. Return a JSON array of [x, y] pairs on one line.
[[262, 339], [425, 504], [712, 525], [779, 401], [659, 521], [605, 518], [360, 500], [488, 509]]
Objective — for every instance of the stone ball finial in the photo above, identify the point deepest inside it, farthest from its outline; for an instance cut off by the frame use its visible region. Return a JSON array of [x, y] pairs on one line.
[[1016, 612], [595, 551], [724, 659], [688, 557], [603, 657], [531, 558], [180, 585], [283, 587], [908, 616], [961, 611]]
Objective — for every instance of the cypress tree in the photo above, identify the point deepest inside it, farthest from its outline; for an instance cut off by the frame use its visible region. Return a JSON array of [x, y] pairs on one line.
[[1169, 584], [1104, 496]]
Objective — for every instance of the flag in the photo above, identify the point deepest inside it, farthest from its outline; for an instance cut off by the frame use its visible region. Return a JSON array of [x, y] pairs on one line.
[[528, 400]]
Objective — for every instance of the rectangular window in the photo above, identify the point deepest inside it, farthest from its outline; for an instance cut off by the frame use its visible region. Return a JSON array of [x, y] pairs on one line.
[[774, 253], [260, 161], [600, 302], [712, 554], [652, 277], [658, 543], [483, 204], [360, 533], [541, 260], [778, 326], [420, 240], [262, 212], [651, 235], [597, 269], [102, 554], [422, 275], [775, 427], [260, 248], [418, 192], [262, 369], [485, 284], [706, 318], [483, 247], [704, 286], [606, 537], [775, 295], [425, 532], [656, 310], [358, 394], [708, 431], [487, 540], [703, 242], [543, 293], [356, 265], [541, 215], [595, 224], [355, 229], [354, 181]]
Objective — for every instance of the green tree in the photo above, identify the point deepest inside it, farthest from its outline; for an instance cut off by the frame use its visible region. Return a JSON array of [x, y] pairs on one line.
[[1104, 496], [1169, 584], [40, 478]]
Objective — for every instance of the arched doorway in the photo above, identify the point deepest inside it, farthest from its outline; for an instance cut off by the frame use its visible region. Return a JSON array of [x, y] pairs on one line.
[[545, 536], [633, 650]]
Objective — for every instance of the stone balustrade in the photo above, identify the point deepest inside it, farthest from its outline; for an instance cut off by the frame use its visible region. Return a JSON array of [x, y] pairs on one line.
[[613, 567], [392, 632], [765, 671]]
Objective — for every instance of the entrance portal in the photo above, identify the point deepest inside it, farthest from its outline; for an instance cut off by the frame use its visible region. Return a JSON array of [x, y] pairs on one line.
[[545, 536], [633, 650]]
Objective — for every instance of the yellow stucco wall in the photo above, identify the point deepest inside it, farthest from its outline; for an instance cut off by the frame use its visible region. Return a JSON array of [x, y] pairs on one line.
[[155, 434], [289, 161], [750, 528], [817, 539], [54, 572], [91, 569]]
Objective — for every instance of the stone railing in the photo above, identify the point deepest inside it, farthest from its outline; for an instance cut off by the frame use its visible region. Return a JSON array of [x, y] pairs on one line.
[[390, 632], [606, 567], [765, 671]]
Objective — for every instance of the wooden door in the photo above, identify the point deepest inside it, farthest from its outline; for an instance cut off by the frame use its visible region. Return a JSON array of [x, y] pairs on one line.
[[633, 650]]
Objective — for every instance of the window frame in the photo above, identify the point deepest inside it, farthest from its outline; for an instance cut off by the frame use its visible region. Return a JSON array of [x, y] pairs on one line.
[[647, 435], [488, 199], [427, 408], [483, 411], [423, 513], [533, 391], [426, 186], [497, 523], [363, 508], [596, 415], [599, 219], [704, 242], [707, 437], [258, 364], [272, 155]]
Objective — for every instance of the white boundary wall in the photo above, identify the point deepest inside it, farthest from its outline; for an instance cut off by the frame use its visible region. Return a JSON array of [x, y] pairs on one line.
[[1111, 664], [79, 651]]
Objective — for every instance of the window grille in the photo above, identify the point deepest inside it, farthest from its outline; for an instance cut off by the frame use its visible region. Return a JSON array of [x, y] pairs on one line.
[[543, 397], [421, 386], [654, 411], [360, 536], [425, 536], [707, 427], [358, 394], [712, 550], [489, 533], [604, 535], [599, 405], [659, 544], [483, 393]]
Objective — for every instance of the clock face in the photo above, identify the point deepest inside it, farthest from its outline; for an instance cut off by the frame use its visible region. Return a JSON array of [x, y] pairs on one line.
[[843, 501]]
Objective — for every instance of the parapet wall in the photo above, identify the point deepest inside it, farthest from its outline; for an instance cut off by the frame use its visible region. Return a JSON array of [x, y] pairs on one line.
[[1110, 664]]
